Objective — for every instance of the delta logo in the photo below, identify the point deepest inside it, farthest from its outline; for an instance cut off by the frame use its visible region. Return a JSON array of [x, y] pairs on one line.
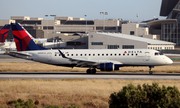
[[132, 52]]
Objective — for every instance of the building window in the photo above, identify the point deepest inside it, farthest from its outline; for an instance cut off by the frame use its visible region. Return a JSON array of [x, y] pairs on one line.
[[75, 43], [96, 43], [128, 47], [48, 28], [113, 46], [131, 32]]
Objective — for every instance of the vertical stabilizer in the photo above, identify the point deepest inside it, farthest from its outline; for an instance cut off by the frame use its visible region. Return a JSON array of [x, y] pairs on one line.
[[4, 32], [23, 39]]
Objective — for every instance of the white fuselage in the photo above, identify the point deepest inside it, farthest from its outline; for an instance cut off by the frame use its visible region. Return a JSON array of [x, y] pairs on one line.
[[125, 57]]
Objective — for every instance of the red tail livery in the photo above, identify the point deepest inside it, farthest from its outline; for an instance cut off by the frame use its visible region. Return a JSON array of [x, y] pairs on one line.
[[4, 32], [23, 41]]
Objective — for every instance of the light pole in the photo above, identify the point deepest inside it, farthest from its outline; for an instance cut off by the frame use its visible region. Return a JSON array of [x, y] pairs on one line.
[[103, 13], [137, 15], [86, 23], [54, 27], [47, 25]]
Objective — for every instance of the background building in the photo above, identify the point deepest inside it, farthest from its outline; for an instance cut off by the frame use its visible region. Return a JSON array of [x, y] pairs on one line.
[[169, 28], [69, 30], [123, 41]]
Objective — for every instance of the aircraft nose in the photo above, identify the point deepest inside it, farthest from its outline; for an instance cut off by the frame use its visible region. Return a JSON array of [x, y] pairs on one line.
[[169, 61]]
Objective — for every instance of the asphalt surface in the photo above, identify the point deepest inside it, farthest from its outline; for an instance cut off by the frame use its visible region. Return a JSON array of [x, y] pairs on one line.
[[75, 75]]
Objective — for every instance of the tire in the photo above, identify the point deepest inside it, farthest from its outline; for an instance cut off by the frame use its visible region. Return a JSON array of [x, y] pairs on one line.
[[150, 72], [88, 71], [93, 71]]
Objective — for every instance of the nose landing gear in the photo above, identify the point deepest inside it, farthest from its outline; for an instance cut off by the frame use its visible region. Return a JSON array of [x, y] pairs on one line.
[[150, 71]]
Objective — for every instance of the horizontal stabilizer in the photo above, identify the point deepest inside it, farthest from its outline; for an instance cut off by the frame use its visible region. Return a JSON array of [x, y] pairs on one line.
[[19, 54]]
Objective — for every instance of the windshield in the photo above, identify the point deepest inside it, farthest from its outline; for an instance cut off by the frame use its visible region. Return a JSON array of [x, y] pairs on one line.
[[158, 53]]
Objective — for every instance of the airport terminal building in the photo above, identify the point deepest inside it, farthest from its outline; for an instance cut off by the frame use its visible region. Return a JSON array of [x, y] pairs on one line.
[[169, 28], [71, 33], [122, 41]]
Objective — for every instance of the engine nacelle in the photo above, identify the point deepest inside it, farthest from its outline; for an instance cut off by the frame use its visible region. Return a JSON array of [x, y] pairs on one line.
[[107, 67]]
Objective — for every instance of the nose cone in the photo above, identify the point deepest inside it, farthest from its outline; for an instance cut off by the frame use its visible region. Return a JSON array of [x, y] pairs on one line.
[[169, 61]]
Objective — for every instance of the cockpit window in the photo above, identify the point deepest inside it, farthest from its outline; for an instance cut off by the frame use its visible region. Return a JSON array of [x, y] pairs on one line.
[[158, 53]]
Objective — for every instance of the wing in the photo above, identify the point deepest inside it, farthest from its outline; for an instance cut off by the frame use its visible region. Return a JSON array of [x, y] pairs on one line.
[[81, 62], [85, 62]]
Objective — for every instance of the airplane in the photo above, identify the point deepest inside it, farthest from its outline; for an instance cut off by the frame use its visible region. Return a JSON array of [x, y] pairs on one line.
[[3, 34], [103, 59], [11, 45]]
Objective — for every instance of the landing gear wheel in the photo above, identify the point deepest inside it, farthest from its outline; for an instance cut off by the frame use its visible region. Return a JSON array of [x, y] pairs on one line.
[[93, 71], [88, 71], [150, 72]]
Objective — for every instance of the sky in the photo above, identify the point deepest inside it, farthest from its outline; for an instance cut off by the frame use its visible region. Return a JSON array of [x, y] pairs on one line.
[[124, 9]]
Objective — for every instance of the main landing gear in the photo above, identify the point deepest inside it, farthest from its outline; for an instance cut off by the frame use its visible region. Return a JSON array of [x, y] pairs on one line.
[[150, 72], [91, 71]]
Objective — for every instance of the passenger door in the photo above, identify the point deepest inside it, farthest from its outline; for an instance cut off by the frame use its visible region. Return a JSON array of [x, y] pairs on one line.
[[49, 55], [147, 56]]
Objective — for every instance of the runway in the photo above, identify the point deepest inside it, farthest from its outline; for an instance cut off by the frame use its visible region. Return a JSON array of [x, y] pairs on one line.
[[75, 75]]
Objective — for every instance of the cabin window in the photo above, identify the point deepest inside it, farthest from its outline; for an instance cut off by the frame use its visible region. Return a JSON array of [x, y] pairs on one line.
[[106, 54], [111, 54], [128, 54], [93, 54], [84, 54], [71, 54], [67, 54], [123, 54], [132, 54], [102, 54], [98, 54], [76, 54], [55, 54], [114, 54], [119, 54], [59, 54], [136, 54], [89, 54], [81, 54]]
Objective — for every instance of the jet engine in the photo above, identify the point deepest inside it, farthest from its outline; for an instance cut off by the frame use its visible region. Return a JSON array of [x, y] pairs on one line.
[[107, 67]]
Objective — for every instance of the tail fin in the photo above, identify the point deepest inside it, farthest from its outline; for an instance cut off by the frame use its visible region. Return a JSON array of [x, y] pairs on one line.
[[23, 40], [4, 32]]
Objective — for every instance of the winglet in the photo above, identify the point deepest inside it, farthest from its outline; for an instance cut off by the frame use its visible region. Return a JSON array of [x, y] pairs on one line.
[[62, 54]]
